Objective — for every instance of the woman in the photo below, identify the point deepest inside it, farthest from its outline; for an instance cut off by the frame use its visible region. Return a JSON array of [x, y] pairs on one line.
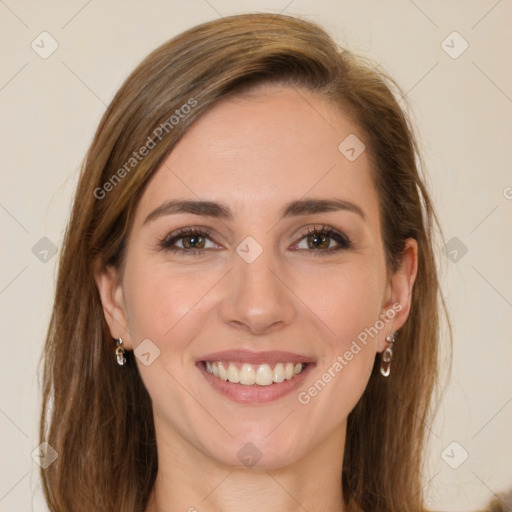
[[246, 314]]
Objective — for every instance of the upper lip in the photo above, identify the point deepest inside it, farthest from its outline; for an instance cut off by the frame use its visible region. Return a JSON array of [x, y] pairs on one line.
[[247, 356]]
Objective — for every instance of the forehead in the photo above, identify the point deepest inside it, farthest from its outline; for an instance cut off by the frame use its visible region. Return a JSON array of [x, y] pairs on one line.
[[271, 146]]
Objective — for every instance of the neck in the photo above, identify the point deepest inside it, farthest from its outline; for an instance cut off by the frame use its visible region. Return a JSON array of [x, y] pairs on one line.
[[189, 480]]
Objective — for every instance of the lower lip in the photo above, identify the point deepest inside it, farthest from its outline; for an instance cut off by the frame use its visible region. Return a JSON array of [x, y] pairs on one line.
[[255, 394]]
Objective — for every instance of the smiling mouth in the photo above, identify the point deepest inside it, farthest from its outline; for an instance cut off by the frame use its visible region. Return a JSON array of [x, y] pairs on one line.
[[254, 374]]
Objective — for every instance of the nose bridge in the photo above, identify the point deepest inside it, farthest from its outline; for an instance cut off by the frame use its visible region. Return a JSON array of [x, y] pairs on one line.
[[257, 297]]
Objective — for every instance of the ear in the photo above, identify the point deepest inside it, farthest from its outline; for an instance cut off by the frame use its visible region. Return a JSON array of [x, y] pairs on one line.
[[398, 295], [112, 299]]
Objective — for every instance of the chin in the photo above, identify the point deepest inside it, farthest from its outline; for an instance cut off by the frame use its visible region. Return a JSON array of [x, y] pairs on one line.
[[255, 451]]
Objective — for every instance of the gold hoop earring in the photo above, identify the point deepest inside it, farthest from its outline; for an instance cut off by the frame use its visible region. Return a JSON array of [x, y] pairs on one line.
[[387, 355], [120, 352]]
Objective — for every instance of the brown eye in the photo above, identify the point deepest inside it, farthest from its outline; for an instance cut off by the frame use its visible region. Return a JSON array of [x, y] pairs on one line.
[[187, 241], [193, 242], [318, 241], [323, 240]]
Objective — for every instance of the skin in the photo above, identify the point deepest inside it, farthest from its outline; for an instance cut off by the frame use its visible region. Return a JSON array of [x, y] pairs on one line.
[[255, 154]]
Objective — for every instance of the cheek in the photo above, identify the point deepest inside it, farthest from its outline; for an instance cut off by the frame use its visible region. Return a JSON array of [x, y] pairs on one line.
[[348, 306], [348, 352], [159, 300], [347, 301]]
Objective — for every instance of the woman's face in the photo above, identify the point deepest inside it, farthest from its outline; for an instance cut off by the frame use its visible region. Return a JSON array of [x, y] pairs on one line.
[[255, 245]]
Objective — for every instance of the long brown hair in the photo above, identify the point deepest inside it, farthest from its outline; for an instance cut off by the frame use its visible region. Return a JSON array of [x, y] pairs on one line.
[[97, 416]]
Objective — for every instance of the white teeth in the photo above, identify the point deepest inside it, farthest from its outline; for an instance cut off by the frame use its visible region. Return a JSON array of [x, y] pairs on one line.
[[223, 374], [248, 375], [233, 374], [279, 372], [264, 376]]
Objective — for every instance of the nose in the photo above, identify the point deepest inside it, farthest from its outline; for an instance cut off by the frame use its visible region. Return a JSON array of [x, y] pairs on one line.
[[258, 299]]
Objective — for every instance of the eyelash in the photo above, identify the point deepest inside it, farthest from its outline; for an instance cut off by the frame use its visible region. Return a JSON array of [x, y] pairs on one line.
[[325, 230]]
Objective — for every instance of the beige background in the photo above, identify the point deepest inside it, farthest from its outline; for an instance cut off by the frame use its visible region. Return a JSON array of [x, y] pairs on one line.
[[463, 110]]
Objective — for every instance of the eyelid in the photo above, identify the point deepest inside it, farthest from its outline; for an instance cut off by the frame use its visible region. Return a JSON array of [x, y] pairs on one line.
[[318, 228]]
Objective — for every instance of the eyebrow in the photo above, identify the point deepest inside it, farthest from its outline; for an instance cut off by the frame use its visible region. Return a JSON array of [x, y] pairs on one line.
[[223, 211]]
